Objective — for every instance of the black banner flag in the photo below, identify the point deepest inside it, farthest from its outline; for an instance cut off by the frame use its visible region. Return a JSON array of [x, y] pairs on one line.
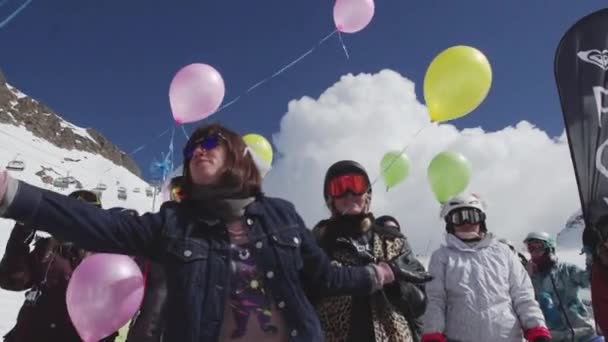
[[581, 66]]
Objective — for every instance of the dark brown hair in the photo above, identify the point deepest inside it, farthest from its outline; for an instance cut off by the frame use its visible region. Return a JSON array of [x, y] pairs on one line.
[[241, 170]]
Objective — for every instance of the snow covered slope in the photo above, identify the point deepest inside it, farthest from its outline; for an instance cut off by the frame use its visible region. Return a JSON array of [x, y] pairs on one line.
[[43, 160]]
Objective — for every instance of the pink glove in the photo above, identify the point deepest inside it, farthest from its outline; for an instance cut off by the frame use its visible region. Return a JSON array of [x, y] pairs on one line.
[[433, 337], [384, 273]]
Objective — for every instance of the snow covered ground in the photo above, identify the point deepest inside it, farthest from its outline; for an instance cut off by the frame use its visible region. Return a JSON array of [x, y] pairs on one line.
[[89, 169]]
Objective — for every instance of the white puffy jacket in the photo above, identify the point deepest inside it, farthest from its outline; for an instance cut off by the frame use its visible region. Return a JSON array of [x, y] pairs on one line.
[[480, 293]]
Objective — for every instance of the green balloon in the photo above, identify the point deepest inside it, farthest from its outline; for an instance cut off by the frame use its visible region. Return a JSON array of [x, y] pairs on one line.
[[395, 167], [449, 174]]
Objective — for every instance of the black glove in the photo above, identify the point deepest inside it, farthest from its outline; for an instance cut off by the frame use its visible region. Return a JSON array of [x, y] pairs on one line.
[[415, 277]]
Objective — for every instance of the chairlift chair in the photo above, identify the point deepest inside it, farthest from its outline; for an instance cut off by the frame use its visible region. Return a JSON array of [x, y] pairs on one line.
[[101, 187], [61, 183], [15, 165], [122, 193]]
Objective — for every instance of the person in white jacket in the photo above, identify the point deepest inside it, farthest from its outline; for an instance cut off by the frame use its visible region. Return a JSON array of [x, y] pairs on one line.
[[480, 291]]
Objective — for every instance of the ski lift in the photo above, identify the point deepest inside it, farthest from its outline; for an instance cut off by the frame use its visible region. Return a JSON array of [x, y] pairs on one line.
[[137, 190], [16, 165], [122, 193], [61, 183], [101, 187]]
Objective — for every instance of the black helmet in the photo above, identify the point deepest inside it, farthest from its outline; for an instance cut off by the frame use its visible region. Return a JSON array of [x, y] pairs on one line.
[[386, 219], [341, 168], [87, 196]]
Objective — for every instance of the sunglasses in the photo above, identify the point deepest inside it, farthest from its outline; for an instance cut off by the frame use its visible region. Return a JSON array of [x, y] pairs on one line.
[[354, 183], [86, 196], [207, 143], [465, 215]]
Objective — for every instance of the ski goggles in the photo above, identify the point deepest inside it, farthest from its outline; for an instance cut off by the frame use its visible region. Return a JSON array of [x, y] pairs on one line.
[[535, 246], [86, 196], [206, 143], [341, 185], [465, 215]]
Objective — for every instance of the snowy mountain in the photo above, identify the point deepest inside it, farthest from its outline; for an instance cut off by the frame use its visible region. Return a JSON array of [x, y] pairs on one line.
[[20, 110], [571, 236], [31, 158]]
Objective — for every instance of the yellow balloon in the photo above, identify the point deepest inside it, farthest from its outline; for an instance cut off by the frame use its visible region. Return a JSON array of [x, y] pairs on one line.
[[456, 82], [261, 151], [259, 145]]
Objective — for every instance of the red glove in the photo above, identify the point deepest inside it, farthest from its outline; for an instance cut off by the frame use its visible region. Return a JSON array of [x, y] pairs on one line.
[[538, 334], [433, 337]]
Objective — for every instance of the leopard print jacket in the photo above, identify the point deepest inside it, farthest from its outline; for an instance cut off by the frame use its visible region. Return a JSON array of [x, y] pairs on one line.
[[389, 325]]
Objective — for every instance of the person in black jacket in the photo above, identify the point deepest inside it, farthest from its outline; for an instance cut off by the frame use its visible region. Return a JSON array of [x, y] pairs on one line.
[[351, 236], [148, 323]]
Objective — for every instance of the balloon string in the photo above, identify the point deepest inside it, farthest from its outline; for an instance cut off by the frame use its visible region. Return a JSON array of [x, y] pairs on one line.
[[169, 157], [343, 45], [185, 133], [251, 88], [144, 145], [397, 156], [278, 72], [390, 164], [14, 14]]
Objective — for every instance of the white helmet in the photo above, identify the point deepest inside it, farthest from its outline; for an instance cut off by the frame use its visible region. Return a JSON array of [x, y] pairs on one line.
[[462, 201]]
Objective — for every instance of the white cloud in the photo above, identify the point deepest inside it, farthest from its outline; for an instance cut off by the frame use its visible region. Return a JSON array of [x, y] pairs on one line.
[[525, 176]]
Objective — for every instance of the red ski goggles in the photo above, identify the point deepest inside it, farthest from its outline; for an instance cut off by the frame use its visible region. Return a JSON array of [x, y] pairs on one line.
[[465, 215], [341, 185], [206, 143]]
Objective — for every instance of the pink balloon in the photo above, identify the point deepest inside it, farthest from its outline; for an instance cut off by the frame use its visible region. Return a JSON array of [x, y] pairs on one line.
[[352, 16], [196, 92], [103, 294]]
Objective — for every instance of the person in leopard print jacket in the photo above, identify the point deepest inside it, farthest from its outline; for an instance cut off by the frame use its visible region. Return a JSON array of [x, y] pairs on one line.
[[351, 236]]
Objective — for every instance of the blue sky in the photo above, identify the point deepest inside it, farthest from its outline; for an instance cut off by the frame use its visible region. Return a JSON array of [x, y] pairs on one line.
[[108, 64]]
